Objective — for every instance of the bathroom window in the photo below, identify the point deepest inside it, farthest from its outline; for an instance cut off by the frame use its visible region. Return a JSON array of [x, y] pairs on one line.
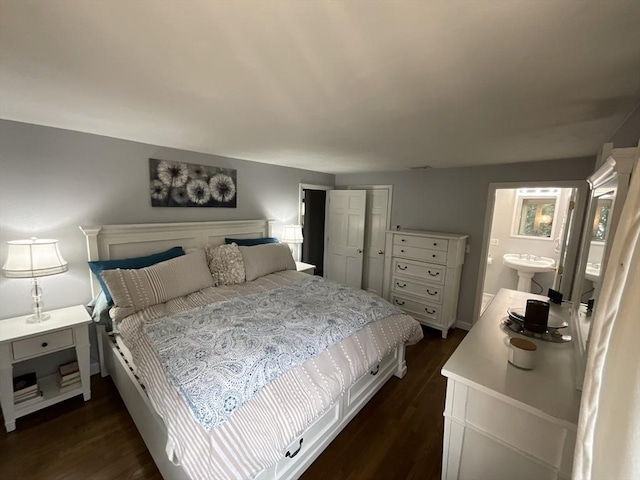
[[535, 213], [601, 219]]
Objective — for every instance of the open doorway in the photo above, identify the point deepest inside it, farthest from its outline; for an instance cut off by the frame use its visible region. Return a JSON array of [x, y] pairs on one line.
[[313, 200], [530, 240]]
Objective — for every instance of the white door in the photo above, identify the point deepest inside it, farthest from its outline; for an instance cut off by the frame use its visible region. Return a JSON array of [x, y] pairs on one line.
[[374, 237], [344, 229], [562, 244]]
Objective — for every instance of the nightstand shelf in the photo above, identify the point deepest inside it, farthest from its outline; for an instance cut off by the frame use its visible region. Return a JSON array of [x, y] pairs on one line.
[[50, 395], [19, 341]]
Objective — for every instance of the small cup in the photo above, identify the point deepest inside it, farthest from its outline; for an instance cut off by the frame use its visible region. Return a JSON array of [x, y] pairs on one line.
[[522, 353]]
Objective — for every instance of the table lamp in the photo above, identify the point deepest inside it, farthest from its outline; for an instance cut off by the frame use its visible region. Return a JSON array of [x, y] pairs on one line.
[[292, 235], [33, 259]]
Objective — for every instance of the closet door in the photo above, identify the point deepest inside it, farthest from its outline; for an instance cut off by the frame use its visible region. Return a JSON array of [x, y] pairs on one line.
[[345, 236], [374, 239]]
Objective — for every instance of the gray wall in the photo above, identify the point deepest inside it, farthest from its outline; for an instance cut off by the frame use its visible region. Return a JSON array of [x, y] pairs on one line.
[[628, 134], [454, 200], [52, 181]]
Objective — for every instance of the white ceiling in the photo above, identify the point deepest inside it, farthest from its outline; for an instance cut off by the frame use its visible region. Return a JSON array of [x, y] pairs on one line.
[[329, 86]]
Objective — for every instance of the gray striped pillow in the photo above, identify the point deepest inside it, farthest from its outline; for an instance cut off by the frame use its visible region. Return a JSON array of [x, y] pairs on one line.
[[133, 290], [261, 260]]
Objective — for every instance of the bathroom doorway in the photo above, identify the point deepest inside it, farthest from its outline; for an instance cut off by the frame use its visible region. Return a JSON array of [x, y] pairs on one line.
[[312, 213], [531, 238]]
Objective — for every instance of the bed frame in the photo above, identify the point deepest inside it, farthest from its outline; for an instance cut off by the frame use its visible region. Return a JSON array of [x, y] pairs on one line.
[[108, 242]]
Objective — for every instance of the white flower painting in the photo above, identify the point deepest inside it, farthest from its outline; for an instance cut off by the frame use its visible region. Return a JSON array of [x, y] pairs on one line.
[[179, 184]]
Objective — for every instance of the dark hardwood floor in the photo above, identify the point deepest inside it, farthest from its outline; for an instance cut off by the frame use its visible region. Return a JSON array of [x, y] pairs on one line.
[[398, 434]]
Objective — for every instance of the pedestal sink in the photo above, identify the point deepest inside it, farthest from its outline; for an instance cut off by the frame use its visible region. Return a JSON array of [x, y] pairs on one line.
[[527, 266], [592, 272]]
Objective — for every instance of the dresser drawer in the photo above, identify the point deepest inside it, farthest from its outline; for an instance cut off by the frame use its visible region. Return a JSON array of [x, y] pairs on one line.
[[432, 293], [420, 254], [413, 306], [422, 242], [432, 273], [42, 344]]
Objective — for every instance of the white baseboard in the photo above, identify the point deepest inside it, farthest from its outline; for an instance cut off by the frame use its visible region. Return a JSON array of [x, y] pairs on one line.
[[464, 325]]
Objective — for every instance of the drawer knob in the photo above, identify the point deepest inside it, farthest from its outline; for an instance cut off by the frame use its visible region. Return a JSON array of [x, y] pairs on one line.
[[291, 455], [433, 274], [402, 267], [430, 293], [402, 239], [401, 286], [430, 312], [376, 370], [401, 251], [435, 244], [45, 344], [398, 302], [434, 255]]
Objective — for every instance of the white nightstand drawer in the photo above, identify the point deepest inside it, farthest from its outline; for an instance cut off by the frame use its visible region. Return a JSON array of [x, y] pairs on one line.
[[42, 344]]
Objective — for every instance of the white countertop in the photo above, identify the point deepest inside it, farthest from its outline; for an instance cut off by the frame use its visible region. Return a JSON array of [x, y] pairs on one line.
[[481, 363]]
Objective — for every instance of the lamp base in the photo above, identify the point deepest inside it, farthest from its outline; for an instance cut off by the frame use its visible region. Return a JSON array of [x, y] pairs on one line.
[[38, 318]]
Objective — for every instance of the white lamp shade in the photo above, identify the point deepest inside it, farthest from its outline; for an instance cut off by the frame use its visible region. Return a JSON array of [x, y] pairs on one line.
[[34, 258], [292, 234]]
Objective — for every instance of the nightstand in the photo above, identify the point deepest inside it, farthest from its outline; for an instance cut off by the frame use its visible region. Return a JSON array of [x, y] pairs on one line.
[[305, 268], [19, 341]]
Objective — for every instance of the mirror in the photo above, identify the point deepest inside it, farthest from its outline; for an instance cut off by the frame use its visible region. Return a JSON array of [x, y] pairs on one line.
[[602, 199], [609, 185]]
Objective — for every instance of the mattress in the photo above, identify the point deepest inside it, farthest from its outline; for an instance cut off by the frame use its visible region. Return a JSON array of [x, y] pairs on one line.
[[258, 433]]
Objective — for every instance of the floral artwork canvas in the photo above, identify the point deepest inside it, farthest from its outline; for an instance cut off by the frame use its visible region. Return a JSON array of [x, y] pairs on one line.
[[179, 184]]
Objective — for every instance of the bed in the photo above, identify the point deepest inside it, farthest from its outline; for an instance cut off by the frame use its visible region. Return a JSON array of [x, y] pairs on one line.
[[309, 417]]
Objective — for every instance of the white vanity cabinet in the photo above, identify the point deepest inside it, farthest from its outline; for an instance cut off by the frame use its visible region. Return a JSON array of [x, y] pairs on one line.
[[501, 422], [422, 275]]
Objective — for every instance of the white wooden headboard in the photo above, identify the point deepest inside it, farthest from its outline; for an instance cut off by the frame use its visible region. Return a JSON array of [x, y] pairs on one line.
[[111, 242]]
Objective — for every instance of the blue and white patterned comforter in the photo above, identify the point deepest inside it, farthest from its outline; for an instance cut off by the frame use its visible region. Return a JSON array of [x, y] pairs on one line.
[[218, 356]]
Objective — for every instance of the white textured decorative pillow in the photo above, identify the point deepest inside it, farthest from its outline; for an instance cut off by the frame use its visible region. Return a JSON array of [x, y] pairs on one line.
[[226, 264], [133, 290], [261, 260]]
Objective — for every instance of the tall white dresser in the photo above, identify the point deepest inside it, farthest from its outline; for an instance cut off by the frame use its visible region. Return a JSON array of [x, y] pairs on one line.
[[422, 275]]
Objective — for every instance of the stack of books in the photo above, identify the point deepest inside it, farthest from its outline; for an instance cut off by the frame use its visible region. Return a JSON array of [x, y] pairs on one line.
[[25, 390], [68, 376]]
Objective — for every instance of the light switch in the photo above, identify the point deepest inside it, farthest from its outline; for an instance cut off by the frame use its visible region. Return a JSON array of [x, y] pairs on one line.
[[495, 242]]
